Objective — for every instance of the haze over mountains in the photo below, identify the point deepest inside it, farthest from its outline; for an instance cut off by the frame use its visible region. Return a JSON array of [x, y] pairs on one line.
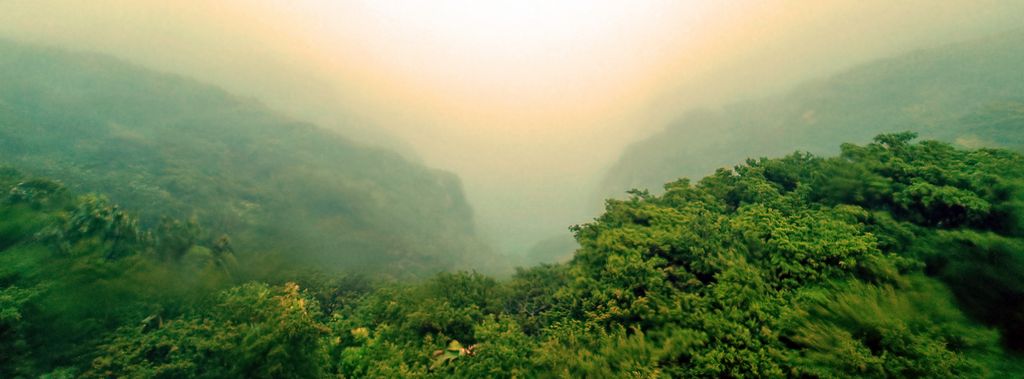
[[164, 146], [511, 189], [520, 115], [967, 93]]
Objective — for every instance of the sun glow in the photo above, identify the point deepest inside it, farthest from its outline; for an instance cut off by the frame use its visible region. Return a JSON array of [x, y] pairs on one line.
[[537, 91], [476, 61], [500, 89]]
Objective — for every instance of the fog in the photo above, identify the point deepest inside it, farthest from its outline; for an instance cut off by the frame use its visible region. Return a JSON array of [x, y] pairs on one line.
[[528, 102]]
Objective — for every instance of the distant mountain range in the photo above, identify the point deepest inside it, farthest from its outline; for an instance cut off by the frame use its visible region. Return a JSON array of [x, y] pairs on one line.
[[970, 94], [160, 144]]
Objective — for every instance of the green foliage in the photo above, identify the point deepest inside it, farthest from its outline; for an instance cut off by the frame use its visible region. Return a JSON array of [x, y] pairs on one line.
[[893, 259], [502, 351], [854, 328], [254, 331], [531, 296], [73, 269], [15, 355], [983, 271], [843, 240]]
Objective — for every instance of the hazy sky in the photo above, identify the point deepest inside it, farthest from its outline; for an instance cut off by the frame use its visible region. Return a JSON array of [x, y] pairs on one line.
[[528, 101]]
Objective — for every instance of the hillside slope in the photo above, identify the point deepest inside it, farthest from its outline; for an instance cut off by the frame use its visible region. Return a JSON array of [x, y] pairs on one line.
[[894, 259], [164, 145], [971, 94]]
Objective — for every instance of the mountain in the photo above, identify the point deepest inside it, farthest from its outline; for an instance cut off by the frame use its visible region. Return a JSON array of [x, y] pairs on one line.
[[971, 94], [162, 145]]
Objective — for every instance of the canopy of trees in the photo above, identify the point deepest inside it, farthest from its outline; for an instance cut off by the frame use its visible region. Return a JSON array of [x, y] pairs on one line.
[[893, 259]]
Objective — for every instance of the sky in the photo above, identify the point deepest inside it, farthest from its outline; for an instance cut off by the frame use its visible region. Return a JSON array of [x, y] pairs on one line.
[[527, 101]]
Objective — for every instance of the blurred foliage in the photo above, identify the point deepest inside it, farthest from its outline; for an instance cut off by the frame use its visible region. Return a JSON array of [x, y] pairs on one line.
[[72, 268]]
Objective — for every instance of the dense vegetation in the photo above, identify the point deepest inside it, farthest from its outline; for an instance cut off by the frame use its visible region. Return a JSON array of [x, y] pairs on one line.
[[160, 145], [968, 94], [893, 259]]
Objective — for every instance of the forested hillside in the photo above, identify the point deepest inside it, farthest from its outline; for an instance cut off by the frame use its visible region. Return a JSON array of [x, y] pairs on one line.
[[161, 145], [893, 259], [968, 94]]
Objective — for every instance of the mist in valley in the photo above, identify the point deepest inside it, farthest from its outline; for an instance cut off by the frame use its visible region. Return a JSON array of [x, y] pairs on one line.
[[740, 188], [529, 118]]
